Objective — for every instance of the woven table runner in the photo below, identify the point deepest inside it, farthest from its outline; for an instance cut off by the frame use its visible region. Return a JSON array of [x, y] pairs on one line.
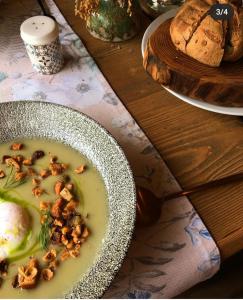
[[163, 260]]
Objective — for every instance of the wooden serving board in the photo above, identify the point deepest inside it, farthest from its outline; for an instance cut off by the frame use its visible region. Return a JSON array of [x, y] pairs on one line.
[[185, 75]]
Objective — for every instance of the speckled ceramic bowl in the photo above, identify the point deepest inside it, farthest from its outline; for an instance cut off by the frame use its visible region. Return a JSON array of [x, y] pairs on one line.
[[45, 120]]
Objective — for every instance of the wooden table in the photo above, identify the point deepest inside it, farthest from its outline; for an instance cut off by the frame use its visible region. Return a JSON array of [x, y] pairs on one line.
[[197, 145]]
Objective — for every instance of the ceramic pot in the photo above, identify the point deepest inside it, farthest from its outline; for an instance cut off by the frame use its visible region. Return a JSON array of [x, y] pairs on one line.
[[113, 23]]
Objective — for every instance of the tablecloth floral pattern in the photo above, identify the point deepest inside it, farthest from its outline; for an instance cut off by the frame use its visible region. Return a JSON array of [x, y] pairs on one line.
[[163, 260]]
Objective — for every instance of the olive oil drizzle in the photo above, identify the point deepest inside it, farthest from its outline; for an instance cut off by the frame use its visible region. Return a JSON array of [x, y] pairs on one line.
[[23, 244], [33, 249], [79, 193], [5, 196]]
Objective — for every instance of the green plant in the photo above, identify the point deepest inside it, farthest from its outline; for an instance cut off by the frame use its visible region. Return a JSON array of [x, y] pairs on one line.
[[84, 8]]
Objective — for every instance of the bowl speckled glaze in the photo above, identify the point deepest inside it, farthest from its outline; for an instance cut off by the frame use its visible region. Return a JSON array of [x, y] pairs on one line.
[[50, 121]]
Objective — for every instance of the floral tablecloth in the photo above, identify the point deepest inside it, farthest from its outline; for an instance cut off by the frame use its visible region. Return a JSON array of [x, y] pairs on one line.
[[163, 260]]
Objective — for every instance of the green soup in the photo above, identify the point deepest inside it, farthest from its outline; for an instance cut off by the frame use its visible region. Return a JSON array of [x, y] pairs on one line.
[[93, 203]]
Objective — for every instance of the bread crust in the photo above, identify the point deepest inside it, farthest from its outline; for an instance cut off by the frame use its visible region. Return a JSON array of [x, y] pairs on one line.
[[234, 44]]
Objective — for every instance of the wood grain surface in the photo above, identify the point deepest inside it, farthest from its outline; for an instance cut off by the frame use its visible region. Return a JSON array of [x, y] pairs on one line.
[[168, 66], [197, 145]]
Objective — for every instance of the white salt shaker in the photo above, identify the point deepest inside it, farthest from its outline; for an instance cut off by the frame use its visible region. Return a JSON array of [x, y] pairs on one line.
[[41, 37]]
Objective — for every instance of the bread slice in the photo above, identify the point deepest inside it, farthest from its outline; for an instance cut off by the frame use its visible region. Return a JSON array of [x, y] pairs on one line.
[[186, 21], [207, 42]]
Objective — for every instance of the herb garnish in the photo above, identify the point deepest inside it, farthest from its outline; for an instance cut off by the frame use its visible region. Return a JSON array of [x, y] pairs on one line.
[[11, 181], [44, 235]]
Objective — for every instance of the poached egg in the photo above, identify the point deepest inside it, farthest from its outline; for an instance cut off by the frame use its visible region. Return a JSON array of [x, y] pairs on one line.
[[14, 227]]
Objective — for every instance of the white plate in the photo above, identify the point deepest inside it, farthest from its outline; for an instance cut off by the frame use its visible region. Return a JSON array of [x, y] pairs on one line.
[[236, 111]]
